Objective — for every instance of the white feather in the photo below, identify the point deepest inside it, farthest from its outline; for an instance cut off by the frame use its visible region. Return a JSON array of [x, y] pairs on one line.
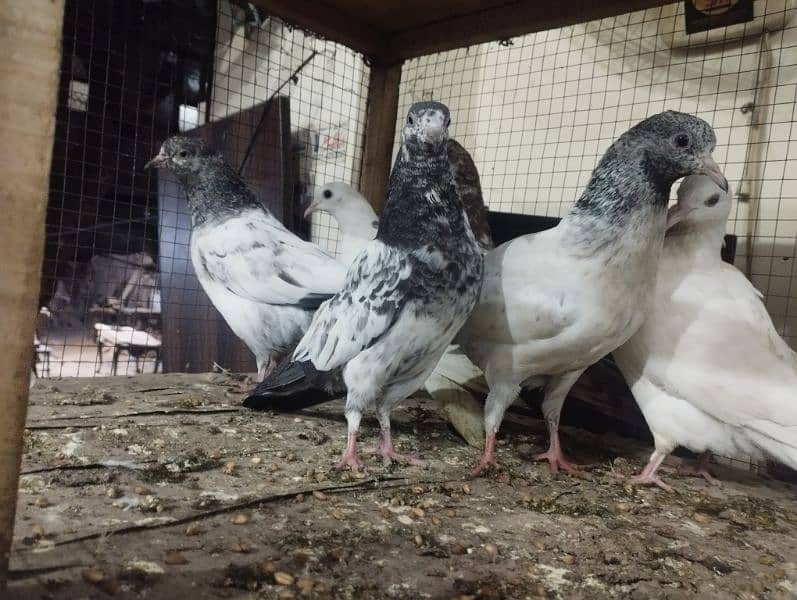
[[708, 369]]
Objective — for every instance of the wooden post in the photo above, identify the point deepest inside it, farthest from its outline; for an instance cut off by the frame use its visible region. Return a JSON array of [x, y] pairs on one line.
[[30, 44], [380, 126]]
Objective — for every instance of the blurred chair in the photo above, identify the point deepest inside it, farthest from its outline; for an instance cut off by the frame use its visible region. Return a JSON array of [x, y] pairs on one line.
[[135, 342]]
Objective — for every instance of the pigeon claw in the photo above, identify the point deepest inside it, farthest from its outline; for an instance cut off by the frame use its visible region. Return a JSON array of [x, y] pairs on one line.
[[349, 459], [650, 479], [390, 456], [556, 460], [487, 463]]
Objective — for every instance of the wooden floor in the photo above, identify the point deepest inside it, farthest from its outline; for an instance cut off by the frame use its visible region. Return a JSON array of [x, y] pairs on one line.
[[161, 486]]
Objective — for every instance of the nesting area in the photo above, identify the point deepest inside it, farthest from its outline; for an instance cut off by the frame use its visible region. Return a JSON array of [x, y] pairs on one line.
[[161, 486]]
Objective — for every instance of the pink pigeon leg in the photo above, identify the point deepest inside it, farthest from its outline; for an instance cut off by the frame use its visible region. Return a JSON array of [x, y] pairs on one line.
[[556, 458], [488, 459], [349, 457], [648, 475]]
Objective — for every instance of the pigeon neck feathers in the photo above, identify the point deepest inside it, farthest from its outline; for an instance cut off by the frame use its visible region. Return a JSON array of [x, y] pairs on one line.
[[624, 183], [216, 192], [422, 203], [700, 240]]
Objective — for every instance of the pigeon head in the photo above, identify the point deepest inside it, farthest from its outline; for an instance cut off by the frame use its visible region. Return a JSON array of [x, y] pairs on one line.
[[182, 155], [674, 145], [426, 127], [700, 200], [337, 198]]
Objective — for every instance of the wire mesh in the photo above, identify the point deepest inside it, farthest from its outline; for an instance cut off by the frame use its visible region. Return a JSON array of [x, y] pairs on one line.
[[538, 111], [132, 74]]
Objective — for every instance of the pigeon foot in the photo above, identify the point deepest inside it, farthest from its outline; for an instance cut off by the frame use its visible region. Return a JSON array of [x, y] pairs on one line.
[[488, 460], [349, 457], [650, 479], [699, 468], [390, 456], [556, 460]]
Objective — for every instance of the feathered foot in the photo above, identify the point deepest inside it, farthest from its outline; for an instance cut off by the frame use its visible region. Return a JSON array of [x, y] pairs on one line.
[[390, 456], [648, 475], [488, 460], [556, 459], [349, 457]]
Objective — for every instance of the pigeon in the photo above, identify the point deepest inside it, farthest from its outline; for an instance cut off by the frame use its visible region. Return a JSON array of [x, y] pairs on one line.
[[707, 368], [357, 221], [555, 302], [264, 280], [407, 293], [293, 386]]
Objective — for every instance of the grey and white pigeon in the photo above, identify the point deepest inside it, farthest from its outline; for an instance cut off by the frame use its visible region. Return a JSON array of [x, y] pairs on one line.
[[408, 293], [299, 385], [555, 302], [265, 281], [357, 221], [707, 368]]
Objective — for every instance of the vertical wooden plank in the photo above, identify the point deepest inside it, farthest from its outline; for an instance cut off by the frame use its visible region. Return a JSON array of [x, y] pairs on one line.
[[30, 43], [380, 124]]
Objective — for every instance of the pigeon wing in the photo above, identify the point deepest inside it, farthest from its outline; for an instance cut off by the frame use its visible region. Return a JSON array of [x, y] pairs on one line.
[[257, 258], [361, 313]]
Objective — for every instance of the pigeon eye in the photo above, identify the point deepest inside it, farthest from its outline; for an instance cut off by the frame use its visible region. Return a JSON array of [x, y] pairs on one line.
[[682, 140], [712, 200], [183, 153], [327, 193], [410, 120]]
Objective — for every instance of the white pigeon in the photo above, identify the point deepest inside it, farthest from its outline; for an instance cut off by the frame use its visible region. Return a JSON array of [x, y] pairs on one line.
[[555, 302], [265, 281], [357, 221], [707, 368], [408, 292]]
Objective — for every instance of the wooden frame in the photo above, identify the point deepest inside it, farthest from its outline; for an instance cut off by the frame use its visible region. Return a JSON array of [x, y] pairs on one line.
[[31, 46]]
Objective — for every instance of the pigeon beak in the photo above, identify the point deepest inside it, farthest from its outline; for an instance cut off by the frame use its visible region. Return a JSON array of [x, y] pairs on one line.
[[313, 207], [713, 171], [157, 162]]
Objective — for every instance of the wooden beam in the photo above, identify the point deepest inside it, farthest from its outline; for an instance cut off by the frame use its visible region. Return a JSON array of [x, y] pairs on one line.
[[329, 22], [512, 19], [30, 43], [380, 126]]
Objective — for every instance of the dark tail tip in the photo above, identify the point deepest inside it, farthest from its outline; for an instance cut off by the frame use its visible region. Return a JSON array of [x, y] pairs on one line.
[[289, 387]]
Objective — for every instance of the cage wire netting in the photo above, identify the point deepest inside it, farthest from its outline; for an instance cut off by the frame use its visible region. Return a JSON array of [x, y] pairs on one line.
[[284, 106], [288, 109], [538, 111]]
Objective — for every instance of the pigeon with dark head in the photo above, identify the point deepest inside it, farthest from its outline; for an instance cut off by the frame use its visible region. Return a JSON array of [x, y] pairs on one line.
[[264, 280], [407, 293], [293, 386], [555, 302]]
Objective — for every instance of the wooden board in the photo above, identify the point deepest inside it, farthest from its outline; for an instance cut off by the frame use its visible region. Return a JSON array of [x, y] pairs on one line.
[[194, 333], [390, 31]]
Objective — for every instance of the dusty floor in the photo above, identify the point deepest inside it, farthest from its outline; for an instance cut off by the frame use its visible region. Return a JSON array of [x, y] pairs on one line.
[[160, 486]]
